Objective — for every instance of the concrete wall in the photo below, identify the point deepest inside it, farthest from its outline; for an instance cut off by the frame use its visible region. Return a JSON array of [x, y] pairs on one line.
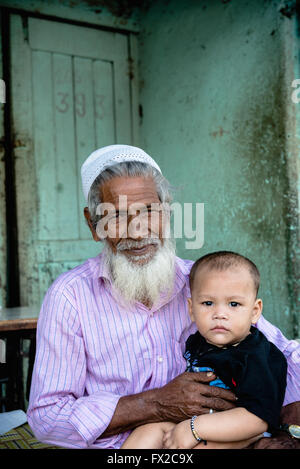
[[215, 95]]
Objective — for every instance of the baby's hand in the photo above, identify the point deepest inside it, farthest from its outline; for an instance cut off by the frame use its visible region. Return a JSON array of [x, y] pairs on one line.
[[180, 437]]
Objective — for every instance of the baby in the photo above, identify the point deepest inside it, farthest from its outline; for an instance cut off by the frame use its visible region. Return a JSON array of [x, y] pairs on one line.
[[224, 306]]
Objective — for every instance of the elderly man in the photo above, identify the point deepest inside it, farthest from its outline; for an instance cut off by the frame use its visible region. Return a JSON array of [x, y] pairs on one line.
[[112, 331]]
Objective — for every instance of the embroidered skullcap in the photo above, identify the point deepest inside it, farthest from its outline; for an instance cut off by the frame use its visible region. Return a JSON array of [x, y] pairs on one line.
[[104, 157]]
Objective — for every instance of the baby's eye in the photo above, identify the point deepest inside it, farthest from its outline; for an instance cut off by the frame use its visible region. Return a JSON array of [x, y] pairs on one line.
[[234, 304], [207, 303]]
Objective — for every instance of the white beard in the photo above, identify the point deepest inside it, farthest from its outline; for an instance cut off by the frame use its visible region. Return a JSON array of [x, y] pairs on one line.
[[143, 283]]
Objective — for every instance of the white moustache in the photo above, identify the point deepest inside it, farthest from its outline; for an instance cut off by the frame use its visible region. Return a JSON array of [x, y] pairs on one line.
[[130, 244]]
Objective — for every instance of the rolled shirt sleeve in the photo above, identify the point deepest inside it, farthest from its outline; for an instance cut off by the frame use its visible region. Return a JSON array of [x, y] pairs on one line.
[[59, 412], [291, 351]]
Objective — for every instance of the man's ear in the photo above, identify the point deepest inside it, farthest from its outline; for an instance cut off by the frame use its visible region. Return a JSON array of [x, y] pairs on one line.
[[87, 216], [190, 306], [257, 310]]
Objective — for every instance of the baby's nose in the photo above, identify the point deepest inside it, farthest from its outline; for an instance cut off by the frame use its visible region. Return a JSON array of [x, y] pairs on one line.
[[220, 313]]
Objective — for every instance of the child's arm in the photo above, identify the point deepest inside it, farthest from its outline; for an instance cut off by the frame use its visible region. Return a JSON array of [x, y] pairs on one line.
[[231, 425]]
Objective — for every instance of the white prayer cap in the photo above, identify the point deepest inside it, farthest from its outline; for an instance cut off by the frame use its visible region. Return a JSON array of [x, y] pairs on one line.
[[104, 157]]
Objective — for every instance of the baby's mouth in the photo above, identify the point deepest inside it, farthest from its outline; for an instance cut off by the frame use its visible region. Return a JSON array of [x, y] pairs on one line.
[[220, 329]]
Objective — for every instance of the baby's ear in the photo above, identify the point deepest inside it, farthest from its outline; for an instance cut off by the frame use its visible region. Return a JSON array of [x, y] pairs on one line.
[[190, 305], [257, 310]]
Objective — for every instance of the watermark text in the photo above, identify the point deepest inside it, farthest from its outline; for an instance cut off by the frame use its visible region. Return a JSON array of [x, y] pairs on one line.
[[137, 220]]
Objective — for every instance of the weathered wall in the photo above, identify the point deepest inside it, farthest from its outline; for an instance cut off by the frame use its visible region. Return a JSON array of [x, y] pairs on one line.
[[107, 13], [216, 113], [214, 100]]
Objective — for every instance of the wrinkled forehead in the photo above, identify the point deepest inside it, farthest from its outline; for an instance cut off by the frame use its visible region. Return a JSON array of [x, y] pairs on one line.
[[124, 190]]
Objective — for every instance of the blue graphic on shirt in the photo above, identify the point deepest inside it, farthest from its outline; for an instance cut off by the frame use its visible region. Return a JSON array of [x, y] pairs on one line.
[[192, 366]]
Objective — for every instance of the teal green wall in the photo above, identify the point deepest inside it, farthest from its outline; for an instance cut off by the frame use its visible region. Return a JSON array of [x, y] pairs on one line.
[[214, 98], [216, 113]]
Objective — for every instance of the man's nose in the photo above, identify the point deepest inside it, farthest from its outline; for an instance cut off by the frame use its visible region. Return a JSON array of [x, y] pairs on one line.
[[137, 227]]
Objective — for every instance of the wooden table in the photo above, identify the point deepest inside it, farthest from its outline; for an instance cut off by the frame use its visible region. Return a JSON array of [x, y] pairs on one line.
[[15, 319], [17, 324]]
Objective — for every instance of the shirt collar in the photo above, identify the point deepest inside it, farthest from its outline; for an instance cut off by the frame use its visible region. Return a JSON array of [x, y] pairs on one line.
[[102, 271]]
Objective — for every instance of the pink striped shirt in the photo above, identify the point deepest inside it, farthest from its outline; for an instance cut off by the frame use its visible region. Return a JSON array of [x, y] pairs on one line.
[[91, 350]]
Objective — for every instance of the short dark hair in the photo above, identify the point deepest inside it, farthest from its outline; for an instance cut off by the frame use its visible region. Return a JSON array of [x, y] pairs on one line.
[[223, 260]]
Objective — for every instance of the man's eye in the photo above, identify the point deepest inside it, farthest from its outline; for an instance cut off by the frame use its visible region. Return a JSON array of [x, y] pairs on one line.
[[234, 303]]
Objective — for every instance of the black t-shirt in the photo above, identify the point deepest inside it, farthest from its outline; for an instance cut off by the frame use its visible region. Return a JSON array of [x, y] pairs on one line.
[[255, 370]]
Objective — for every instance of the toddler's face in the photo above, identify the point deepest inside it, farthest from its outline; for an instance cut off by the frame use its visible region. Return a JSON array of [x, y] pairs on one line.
[[224, 304]]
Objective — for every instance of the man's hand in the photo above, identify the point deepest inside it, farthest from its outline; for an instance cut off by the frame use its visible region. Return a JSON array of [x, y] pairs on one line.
[[190, 394], [186, 395], [282, 441], [290, 414]]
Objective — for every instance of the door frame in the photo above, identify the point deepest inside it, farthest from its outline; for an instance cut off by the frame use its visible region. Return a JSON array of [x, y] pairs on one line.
[[9, 259]]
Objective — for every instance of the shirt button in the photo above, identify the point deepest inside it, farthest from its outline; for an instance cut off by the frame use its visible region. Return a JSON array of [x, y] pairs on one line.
[[160, 359]]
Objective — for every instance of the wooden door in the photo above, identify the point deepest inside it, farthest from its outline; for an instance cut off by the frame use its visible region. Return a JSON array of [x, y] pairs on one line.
[[71, 94]]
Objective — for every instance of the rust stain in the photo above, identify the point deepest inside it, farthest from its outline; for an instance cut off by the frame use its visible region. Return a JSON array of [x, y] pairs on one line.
[[219, 133]]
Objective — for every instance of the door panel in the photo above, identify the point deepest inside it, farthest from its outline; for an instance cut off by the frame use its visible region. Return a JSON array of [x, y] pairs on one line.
[[65, 149], [104, 109], [73, 40], [71, 94], [44, 149]]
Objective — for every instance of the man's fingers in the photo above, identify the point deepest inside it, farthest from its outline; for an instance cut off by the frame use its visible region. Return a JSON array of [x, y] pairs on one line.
[[215, 392], [216, 403], [211, 391], [189, 393], [201, 376], [206, 410]]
